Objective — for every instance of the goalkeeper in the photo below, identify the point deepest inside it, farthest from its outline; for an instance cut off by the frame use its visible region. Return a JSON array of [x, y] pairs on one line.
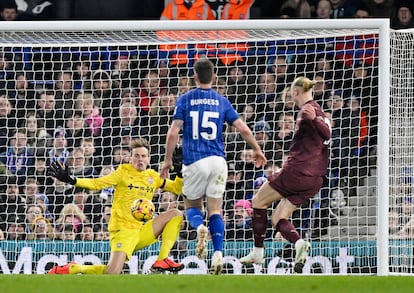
[[127, 235]]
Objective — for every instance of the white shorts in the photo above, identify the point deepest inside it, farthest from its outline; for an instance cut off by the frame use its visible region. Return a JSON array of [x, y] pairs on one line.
[[207, 176]]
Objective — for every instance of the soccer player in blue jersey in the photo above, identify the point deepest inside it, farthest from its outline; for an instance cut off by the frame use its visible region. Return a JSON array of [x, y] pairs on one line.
[[201, 114], [300, 178]]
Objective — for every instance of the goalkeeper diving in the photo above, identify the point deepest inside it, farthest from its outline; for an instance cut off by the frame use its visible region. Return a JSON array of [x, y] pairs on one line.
[[127, 235]]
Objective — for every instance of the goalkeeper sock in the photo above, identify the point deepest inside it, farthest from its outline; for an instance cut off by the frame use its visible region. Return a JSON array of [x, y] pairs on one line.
[[87, 269], [195, 217], [169, 236], [217, 231]]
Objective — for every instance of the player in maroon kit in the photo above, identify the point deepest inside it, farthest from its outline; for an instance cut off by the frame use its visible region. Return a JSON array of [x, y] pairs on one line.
[[300, 178]]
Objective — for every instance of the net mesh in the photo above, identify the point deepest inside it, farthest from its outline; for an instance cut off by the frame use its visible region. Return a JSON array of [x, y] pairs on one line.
[[401, 153], [79, 97]]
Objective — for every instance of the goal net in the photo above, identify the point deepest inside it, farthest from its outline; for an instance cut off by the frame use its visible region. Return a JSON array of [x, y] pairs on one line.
[[80, 92]]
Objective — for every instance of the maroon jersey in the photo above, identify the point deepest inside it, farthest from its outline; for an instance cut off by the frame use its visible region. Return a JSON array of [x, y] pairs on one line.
[[308, 153]]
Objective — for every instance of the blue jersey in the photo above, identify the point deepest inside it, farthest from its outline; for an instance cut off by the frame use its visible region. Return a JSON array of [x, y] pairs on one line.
[[204, 112]]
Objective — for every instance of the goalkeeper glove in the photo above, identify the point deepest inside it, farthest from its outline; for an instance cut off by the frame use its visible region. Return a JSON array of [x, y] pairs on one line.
[[177, 161], [61, 173]]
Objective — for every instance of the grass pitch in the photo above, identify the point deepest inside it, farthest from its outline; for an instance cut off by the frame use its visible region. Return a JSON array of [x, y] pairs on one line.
[[205, 283]]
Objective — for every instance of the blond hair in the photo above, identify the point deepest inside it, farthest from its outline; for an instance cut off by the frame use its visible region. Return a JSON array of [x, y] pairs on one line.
[[139, 143], [305, 83], [70, 209]]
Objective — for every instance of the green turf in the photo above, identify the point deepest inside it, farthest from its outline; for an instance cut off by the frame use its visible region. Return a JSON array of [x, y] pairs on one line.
[[205, 283]]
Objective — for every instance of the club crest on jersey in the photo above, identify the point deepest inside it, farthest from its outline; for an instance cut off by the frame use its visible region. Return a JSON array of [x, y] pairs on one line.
[[150, 180], [119, 245]]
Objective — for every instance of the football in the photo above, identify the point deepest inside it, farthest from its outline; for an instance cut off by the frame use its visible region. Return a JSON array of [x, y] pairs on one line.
[[142, 209]]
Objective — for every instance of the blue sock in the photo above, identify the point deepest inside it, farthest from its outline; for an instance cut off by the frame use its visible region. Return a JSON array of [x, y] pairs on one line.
[[195, 217], [217, 231]]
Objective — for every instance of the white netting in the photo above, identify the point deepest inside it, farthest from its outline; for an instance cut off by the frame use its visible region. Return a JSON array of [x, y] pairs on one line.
[[95, 90], [401, 218]]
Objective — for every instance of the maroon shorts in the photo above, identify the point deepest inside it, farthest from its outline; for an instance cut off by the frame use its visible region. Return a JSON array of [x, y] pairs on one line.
[[295, 187]]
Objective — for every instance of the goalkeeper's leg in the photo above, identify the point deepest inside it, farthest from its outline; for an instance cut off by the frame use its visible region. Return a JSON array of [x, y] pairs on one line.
[[168, 225], [73, 269]]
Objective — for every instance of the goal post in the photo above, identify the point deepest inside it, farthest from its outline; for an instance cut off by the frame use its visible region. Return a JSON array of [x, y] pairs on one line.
[[256, 60]]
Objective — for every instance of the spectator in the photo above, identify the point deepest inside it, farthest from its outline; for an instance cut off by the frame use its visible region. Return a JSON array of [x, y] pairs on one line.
[[56, 195], [87, 233], [183, 10], [167, 201], [321, 88], [167, 80], [7, 121], [64, 93], [125, 73], [324, 9], [119, 155], [233, 139], [85, 102], [42, 200], [32, 212], [59, 151], [343, 8], [77, 166], [239, 227], [234, 186], [38, 139], [6, 73], [106, 215], [106, 97], [187, 10], [24, 95], [92, 157], [67, 232], [101, 233], [11, 203], [245, 162], [15, 228], [47, 112], [185, 84], [88, 203], [30, 189], [82, 75], [160, 119], [279, 66], [404, 17], [362, 10], [264, 136], [240, 88], [301, 7], [18, 158], [41, 230], [129, 95], [282, 104], [70, 214], [266, 92], [76, 129], [284, 132], [381, 8], [127, 124], [41, 173], [8, 11], [149, 90], [220, 86]]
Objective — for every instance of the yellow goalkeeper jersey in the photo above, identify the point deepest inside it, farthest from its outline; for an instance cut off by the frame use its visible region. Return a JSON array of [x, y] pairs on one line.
[[129, 184]]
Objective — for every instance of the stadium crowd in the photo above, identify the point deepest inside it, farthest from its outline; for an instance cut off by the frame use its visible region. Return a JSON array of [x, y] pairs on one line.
[[85, 113], [400, 12]]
